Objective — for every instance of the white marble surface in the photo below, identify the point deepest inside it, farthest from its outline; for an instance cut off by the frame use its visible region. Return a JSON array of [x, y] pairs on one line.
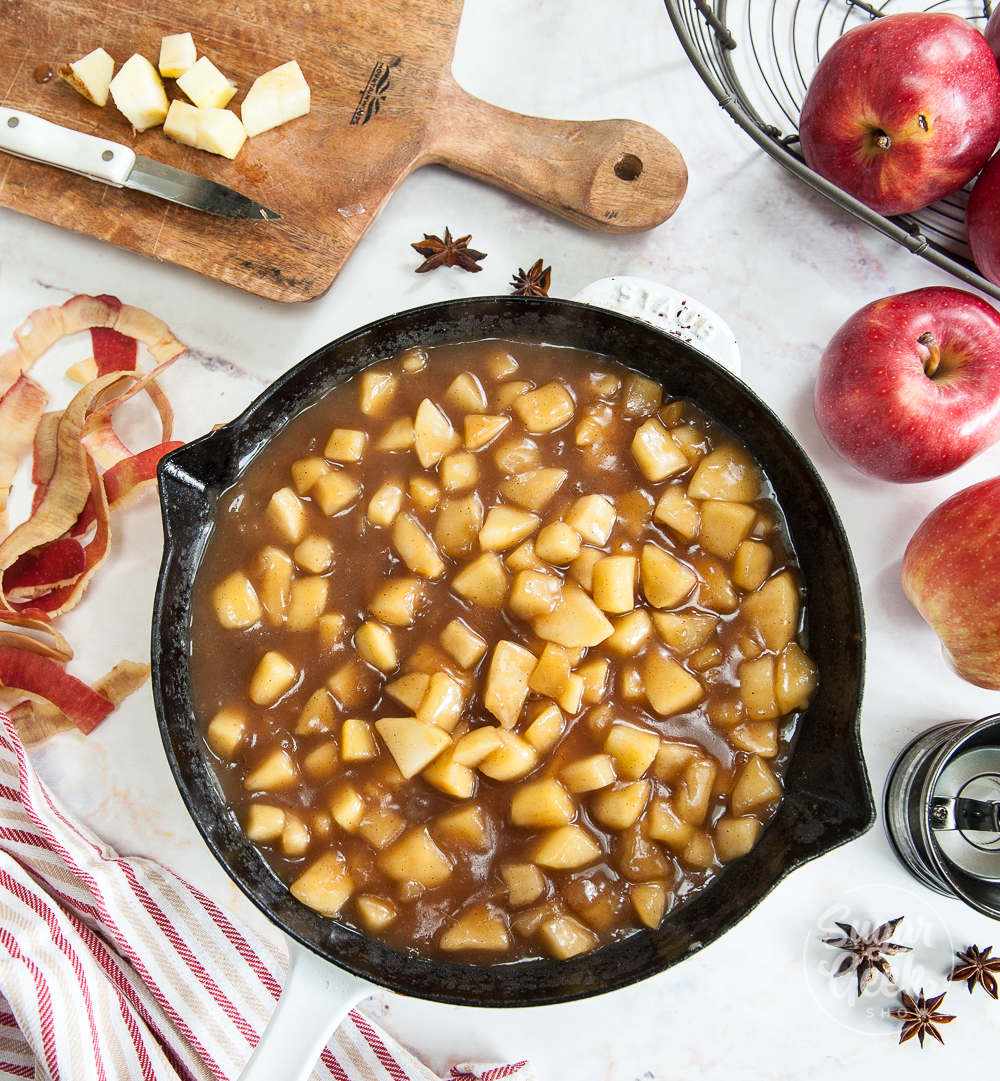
[[784, 268]]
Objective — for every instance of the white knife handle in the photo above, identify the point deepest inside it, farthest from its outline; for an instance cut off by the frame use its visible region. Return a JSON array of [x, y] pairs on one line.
[[28, 136]]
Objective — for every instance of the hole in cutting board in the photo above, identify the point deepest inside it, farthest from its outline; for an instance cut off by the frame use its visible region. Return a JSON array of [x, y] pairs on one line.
[[628, 167]]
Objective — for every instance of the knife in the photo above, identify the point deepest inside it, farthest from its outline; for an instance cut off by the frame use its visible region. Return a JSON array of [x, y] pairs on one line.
[[31, 137]]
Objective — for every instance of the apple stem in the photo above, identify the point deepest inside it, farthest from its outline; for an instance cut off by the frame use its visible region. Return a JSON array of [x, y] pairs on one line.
[[933, 347], [882, 140]]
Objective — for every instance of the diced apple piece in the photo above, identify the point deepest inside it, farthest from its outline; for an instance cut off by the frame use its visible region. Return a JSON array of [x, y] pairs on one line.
[[523, 558], [433, 435], [236, 602], [734, 837], [517, 455], [642, 396], [326, 885], [462, 643], [397, 437], [564, 937], [755, 737], [413, 359], [330, 627], [631, 633], [295, 837], [662, 823], [458, 523], [756, 786], [567, 847], [507, 681], [756, 678], [90, 75], [375, 913], [459, 470], [726, 709], [481, 928], [545, 409], [465, 394], [633, 749], [306, 471], [277, 96], [409, 690], [137, 91], [533, 489], [412, 743], [677, 512], [480, 431], [424, 493], [275, 771], [589, 774], [581, 570], [669, 688], [693, 794], [306, 602], [649, 899], [544, 731], [593, 517], [699, 852], [273, 677], [443, 703], [415, 548], [593, 426], [614, 583], [483, 581], [726, 473], [226, 731], [347, 808], [397, 600], [206, 86], [345, 445], [506, 526], [314, 554], [509, 391], [514, 758], [217, 131], [335, 491], [524, 882], [501, 364], [465, 826], [286, 512], [671, 759], [380, 828], [558, 543], [541, 804], [752, 564], [183, 123], [264, 823], [773, 610], [551, 674], [685, 631], [640, 859], [724, 525], [416, 858], [535, 593], [656, 454], [576, 621], [666, 581], [377, 389], [716, 591], [317, 714], [619, 807], [354, 684], [385, 503], [594, 675], [450, 776], [795, 679], [357, 744], [477, 745]]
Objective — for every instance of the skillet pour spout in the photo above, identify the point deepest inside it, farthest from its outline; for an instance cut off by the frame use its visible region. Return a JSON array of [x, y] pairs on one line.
[[828, 799]]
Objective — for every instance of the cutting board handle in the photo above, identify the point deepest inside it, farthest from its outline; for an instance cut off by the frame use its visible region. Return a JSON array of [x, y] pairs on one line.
[[616, 176]]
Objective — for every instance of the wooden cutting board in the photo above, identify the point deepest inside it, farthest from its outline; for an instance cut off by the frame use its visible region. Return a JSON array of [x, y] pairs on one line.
[[384, 102]]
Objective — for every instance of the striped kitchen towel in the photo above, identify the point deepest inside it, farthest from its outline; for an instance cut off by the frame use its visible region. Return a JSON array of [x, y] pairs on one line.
[[113, 968]]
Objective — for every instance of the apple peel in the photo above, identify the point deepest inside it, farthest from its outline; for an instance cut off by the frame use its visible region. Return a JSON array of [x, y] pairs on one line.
[[81, 469]]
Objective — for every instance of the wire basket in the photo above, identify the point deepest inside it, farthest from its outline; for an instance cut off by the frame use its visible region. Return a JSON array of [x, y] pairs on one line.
[[758, 56]]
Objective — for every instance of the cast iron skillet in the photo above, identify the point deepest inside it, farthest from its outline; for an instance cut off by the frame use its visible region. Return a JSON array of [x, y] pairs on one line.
[[827, 795]]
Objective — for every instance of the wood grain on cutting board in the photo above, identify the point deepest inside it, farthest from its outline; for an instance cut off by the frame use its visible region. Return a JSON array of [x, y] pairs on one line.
[[383, 103]]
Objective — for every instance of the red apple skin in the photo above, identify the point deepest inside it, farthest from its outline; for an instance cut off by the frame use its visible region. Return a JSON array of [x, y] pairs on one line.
[[982, 220], [951, 575], [903, 110], [877, 407], [992, 32]]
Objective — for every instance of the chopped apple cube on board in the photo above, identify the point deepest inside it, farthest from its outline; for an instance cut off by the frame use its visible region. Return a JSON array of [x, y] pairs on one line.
[[90, 75], [206, 86], [177, 54], [138, 93], [276, 97]]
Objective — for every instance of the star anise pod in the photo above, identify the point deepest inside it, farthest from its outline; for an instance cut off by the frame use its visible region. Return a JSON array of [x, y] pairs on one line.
[[866, 955], [534, 283], [448, 252], [977, 967], [920, 1018]]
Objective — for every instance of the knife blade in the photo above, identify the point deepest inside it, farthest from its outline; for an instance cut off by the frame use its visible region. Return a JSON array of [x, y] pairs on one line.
[[27, 136]]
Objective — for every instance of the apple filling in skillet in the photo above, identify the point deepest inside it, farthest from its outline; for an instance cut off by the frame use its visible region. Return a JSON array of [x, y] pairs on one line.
[[498, 653]]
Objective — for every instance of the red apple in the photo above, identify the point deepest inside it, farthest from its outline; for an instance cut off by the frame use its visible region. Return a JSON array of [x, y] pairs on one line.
[[909, 387], [982, 220], [992, 33], [951, 574], [903, 110]]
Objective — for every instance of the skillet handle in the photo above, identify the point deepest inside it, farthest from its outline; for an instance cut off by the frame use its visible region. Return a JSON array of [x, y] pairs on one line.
[[315, 999]]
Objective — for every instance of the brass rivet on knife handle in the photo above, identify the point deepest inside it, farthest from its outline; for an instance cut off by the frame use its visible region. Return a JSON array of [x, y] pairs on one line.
[[616, 176]]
